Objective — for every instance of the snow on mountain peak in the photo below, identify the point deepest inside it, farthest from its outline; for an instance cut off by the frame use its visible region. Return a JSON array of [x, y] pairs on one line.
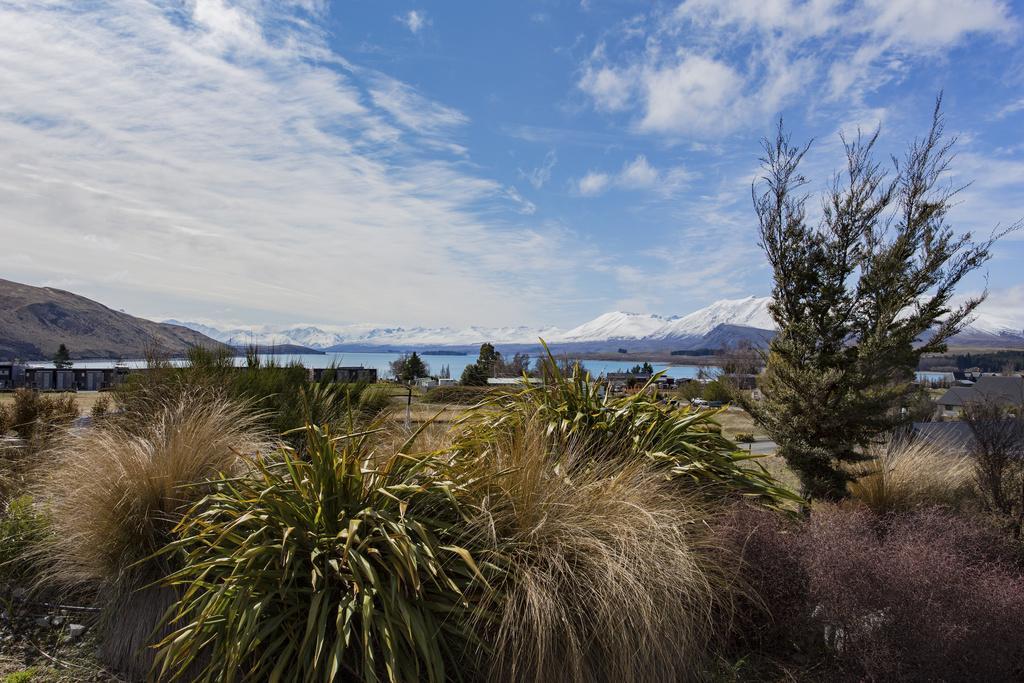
[[751, 311], [615, 325]]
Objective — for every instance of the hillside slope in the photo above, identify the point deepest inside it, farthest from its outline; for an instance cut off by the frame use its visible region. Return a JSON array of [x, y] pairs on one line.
[[34, 321]]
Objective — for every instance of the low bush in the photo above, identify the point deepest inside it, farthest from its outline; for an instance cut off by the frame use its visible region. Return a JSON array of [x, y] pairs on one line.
[[457, 394], [341, 564], [34, 417], [100, 408], [919, 596], [113, 495], [905, 474]]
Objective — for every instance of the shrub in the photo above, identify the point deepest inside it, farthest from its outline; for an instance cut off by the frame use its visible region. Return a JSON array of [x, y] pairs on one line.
[[22, 530], [925, 595], [458, 394], [113, 495], [604, 574], [933, 597], [35, 417], [906, 474], [100, 408], [579, 414], [339, 564], [998, 450]]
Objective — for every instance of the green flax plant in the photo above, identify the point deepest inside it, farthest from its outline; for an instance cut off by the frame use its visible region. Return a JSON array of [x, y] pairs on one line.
[[327, 562], [580, 413]]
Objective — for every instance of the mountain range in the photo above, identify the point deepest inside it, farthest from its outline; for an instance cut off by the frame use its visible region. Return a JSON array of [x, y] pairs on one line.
[[723, 323], [34, 321]]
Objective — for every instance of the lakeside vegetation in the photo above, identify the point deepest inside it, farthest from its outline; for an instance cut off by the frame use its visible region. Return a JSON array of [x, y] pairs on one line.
[[221, 524]]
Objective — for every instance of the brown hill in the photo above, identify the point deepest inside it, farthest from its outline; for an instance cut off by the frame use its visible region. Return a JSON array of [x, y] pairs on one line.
[[34, 321]]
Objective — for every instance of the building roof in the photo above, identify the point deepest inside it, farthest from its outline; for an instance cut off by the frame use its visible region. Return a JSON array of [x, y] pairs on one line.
[[1002, 390], [957, 436]]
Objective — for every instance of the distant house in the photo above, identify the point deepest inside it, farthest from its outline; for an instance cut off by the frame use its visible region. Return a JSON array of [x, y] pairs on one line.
[[742, 381], [620, 381], [75, 379], [1006, 391], [954, 437], [345, 374], [507, 381], [7, 376]]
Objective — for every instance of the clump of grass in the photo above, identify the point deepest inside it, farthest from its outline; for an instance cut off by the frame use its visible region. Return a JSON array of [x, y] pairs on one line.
[[605, 570], [113, 495], [905, 474], [333, 562]]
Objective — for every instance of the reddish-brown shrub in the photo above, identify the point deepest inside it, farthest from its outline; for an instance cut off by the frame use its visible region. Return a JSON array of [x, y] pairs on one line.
[[927, 595]]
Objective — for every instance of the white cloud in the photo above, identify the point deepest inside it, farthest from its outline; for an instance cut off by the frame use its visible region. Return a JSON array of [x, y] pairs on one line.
[[411, 109], [414, 20], [680, 73], [227, 162], [1011, 108], [637, 174], [538, 177], [692, 93], [612, 89], [593, 183]]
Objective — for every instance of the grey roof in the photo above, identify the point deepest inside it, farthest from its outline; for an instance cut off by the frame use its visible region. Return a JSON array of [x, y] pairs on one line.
[[954, 435], [1003, 390]]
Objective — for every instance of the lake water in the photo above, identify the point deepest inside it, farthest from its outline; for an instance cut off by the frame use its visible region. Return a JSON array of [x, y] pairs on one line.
[[456, 363]]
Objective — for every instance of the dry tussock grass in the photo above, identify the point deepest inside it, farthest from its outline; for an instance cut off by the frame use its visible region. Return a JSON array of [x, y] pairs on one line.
[[905, 474], [114, 493], [607, 572]]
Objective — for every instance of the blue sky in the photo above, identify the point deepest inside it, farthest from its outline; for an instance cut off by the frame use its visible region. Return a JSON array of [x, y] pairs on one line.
[[536, 162]]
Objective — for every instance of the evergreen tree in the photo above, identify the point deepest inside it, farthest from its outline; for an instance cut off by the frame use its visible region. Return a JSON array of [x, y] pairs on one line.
[[62, 359], [474, 375], [489, 359], [409, 367], [857, 299]]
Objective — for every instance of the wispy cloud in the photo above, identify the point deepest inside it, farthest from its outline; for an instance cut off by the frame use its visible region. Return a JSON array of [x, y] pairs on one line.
[[539, 176], [680, 72], [414, 20], [223, 158]]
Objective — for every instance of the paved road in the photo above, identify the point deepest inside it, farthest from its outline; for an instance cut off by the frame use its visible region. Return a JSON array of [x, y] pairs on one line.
[[759, 447]]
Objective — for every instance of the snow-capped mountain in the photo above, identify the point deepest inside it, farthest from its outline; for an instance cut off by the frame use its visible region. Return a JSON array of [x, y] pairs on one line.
[[749, 312], [722, 323], [616, 325]]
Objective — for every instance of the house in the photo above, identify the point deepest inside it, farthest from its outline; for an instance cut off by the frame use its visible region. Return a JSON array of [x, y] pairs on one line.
[[12, 376], [1005, 391], [511, 381], [45, 378], [953, 437], [620, 381], [739, 380], [344, 374]]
